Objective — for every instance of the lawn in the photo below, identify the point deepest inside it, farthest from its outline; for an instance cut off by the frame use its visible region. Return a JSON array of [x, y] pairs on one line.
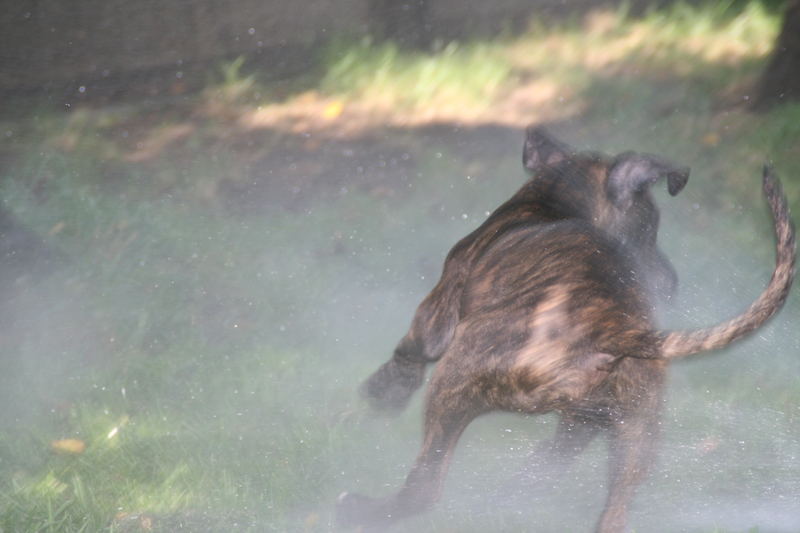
[[203, 281]]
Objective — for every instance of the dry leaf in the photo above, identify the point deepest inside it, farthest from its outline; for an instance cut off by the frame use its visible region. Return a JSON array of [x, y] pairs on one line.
[[710, 139], [74, 446], [333, 110]]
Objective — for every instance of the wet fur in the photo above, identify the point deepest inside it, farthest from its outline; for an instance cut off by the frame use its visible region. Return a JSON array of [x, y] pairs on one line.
[[545, 307]]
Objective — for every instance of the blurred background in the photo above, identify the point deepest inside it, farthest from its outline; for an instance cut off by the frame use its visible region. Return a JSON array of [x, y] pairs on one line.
[[217, 218]]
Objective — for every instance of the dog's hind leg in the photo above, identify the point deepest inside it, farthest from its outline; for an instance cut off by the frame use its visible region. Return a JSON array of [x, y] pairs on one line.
[[390, 387], [632, 444], [451, 406], [632, 449]]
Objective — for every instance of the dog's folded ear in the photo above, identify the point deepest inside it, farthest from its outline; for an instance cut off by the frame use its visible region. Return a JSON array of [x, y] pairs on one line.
[[633, 173], [542, 149]]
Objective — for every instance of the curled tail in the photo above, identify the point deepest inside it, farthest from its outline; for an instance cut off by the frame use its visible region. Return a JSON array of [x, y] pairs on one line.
[[677, 344]]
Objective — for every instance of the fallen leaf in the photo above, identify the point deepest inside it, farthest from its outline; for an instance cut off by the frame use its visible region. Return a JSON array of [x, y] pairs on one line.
[[74, 446], [710, 139], [56, 229], [333, 110]]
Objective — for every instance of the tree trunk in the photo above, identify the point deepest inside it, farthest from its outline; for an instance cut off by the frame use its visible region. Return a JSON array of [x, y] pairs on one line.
[[780, 82]]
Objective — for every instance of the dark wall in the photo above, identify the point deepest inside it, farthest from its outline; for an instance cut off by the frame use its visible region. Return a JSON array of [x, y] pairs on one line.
[[70, 43]]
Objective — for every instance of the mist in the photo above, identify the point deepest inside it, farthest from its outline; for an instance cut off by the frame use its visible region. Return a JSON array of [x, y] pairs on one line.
[[203, 260]]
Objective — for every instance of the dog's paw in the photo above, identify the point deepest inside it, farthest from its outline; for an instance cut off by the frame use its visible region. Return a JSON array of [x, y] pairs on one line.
[[347, 510], [357, 511]]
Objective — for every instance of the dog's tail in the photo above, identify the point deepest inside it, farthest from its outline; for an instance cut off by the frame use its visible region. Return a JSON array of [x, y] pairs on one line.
[[677, 344]]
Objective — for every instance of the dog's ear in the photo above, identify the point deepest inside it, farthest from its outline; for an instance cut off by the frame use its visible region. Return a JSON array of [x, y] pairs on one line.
[[632, 173], [542, 149]]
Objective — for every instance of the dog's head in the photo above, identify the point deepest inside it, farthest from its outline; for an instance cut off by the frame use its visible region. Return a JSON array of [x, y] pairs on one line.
[[611, 192]]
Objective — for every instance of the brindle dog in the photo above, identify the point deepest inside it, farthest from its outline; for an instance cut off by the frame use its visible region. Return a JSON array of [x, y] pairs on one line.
[[546, 307]]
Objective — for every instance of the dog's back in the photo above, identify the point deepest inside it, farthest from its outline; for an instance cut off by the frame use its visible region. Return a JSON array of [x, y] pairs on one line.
[[547, 311]]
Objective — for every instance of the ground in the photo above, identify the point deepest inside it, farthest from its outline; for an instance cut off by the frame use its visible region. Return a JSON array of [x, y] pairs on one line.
[[215, 273]]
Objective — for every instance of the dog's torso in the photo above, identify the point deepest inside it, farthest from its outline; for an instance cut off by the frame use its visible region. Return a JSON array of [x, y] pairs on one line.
[[547, 309]]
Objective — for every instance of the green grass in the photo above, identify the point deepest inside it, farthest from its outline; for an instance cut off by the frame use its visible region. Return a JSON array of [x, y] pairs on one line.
[[208, 354], [383, 74]]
